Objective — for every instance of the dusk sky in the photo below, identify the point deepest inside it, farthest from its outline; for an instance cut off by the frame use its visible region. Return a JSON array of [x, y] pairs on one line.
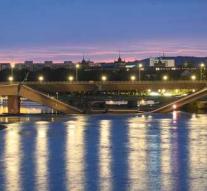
[[68, 29]]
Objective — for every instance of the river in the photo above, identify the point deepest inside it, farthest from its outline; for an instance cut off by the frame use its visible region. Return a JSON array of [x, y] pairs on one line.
[[104, 152]]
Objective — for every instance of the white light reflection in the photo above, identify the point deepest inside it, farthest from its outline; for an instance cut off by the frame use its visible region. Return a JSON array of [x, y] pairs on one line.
[[166, 151], [12, 158], [174, 117], [75, 161], [198, 152], [105, 155], [41, 156], [137, 160]]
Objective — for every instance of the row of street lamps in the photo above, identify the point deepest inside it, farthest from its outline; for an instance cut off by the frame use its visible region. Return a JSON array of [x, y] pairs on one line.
[[104, 78]]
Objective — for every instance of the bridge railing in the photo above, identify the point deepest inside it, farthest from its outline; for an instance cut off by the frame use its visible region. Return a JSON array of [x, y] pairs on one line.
[[109, 82]]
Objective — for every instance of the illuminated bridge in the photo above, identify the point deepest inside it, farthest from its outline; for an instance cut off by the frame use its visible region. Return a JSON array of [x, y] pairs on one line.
[[38, 92], [52, 87]]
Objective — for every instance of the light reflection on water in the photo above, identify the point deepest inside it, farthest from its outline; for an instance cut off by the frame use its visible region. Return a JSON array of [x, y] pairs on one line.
[[12, 154], [105, 155], [75, 153], [105, 152], [41, 156]]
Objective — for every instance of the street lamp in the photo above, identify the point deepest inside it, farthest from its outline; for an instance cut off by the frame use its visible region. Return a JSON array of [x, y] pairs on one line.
[[70, 78], [202, 67], [140, 67], [11, 78], [41, 78], [133, 78], [103, 78], [77, 66], [193, 77], [12, 65], [165, 77], [57, 95]]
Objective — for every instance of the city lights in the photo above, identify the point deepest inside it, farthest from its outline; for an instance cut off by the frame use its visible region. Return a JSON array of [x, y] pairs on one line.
[[77, 66], [165, 78], [140, 67], [70, 78], [11, 78], [103, 78], [193, 77], [202, 68], [133, 78], [202, 65], [41, 78]]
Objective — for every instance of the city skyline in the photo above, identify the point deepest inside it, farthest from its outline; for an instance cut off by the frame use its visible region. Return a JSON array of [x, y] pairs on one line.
[[67, 30]]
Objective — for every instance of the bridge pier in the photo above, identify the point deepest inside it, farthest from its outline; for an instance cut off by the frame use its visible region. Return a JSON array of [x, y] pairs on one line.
[[13, 104]]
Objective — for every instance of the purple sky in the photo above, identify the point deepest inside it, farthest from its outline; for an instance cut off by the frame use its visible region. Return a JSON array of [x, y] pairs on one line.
[[68, 29]]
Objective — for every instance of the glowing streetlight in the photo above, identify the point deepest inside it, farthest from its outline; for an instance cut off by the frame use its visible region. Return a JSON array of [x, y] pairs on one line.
[[165, 77], [103, 78], [11, 78], [77, 66], [12, 65], [202, 67], [70, 78], [193, 77], [140, 67], [41, 78], [133, 78]]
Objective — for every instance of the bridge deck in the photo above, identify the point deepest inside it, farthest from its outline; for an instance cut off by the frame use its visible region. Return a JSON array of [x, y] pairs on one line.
[[84, 86], [39, 97]]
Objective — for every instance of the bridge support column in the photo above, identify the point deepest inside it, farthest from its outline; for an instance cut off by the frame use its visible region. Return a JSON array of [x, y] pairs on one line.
[[13, 104]]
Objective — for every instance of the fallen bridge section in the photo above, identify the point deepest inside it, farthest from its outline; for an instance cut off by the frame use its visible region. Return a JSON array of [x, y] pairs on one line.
[[15, 91], [182, 101]]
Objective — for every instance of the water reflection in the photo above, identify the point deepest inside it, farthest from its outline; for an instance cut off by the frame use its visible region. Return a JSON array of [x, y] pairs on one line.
[[166, 154], [75, 149], [105, 152], [137, 153], [198, 153], [41, 156], [105, 155], [12, 156]]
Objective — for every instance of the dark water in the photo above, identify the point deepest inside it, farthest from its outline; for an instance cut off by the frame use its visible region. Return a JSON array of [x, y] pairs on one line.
[[105, 152]]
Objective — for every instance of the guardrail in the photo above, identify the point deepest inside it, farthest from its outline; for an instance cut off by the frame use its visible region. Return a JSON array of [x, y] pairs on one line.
[[109, 82]]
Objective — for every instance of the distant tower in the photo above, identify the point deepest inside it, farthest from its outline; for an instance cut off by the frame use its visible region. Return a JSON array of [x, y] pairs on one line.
[[119, 60], [83, 61]]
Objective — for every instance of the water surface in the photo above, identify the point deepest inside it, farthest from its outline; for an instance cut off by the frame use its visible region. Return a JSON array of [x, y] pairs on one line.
[[104, 152]]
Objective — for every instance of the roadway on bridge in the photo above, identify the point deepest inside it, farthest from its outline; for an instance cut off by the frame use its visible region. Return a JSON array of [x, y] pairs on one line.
[[65, 87]]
